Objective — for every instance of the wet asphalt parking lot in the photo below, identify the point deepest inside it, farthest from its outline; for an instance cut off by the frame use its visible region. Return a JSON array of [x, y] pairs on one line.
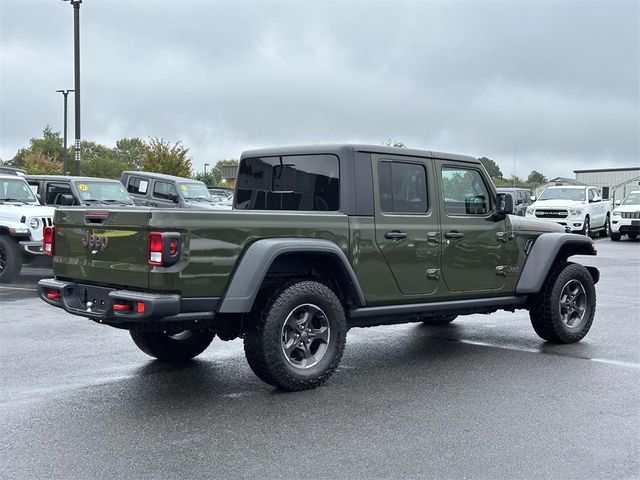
[[481, 398]]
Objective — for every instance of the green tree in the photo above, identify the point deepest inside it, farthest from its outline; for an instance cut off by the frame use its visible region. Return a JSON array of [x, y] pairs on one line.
[[50, 146], [129, 151], [492, 168], [36, 163], [100, 161], [161, 156], [209, 179], [536, 178]]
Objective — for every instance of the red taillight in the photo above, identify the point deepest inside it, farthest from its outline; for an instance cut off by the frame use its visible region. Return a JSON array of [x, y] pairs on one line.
[[156, 246], [53, 295], [121, 307], [48, 236]]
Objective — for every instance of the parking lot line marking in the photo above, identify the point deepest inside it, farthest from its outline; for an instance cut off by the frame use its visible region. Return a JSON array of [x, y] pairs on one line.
[[618, 363], [20, 288], [517, 348]]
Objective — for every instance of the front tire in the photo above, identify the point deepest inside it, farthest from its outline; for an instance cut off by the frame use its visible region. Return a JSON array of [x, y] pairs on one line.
[[439, 321], [586, 228], [615, 237], [607, 227], [297, 336], [564, 309], [10, 259], [173, 348], [632, 236]]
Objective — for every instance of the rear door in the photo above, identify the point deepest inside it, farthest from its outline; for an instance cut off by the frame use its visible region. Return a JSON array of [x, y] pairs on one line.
[[138, 188], [407, 231], [102, 247], [473, 245]]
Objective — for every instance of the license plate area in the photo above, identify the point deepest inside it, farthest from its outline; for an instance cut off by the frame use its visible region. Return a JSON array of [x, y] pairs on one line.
[[92, 299], [635, 223]]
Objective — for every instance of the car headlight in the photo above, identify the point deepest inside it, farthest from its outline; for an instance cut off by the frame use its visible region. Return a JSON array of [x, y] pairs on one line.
[[616, 213], [575, 211], [34, 223]]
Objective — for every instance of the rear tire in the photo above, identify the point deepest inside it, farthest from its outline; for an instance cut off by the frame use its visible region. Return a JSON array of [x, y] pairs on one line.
[[440, 321], [297, 336], [615, 237], [173, 348], [586, 228], [10, 259], [564, 309]]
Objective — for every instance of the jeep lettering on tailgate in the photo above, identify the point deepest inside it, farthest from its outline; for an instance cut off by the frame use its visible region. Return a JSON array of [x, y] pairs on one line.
[[94, 240]]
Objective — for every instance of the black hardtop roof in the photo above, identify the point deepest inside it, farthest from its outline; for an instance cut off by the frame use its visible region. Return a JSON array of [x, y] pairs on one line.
[[69, 178], [344, 148], [158, 176]]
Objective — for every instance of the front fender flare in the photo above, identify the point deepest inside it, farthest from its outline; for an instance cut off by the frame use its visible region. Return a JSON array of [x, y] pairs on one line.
[[544, 253], [253, 266]]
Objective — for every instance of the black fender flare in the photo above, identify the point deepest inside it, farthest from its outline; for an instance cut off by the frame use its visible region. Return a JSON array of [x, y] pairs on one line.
[[254, 264], [543, 254]]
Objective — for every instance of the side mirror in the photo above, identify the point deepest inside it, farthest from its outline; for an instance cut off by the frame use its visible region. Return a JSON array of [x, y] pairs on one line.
[[595, 199], [618, 202], [533, 198], [39, 198], [504, 204], [174, 198], [66, 199]]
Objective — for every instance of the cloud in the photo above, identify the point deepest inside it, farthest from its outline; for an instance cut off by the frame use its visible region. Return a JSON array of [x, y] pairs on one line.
[[559, 78]]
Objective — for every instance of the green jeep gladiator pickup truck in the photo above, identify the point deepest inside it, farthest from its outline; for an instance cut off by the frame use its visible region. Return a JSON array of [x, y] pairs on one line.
[[321, 239]]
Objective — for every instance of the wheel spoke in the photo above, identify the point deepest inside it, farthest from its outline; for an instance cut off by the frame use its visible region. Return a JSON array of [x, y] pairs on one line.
[[321, 334], [305, 336]]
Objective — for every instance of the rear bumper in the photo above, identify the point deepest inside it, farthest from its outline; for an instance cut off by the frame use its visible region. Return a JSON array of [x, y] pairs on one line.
[[97, 303]]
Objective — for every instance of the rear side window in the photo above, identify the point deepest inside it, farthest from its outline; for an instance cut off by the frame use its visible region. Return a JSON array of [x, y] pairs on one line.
[[402, 187], [138, 186], [297, 182]]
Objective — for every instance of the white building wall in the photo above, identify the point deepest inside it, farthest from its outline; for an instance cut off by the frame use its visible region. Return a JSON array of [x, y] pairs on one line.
[[625, 181]]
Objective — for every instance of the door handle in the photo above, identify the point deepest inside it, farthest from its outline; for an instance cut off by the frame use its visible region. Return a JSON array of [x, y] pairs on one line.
[[152, 204], [395, 235], [453, 235]]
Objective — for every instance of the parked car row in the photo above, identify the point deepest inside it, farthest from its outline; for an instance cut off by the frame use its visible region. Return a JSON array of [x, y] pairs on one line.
[[27, 201]]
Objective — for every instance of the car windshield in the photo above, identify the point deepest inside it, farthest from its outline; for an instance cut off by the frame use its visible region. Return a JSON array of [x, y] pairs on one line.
[[632, 199], [575, 194], [16, 191], [102, 191], [194, 191]]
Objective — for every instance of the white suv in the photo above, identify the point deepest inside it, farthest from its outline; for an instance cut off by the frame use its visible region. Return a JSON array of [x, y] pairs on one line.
[[578, 208], [626, 217], [22, 221]]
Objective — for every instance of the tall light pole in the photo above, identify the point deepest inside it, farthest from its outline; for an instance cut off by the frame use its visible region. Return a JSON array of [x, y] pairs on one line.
[[64, 152], [76, 61]]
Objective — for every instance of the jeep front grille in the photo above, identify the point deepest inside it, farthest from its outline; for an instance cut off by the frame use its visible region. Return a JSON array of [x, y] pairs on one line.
[[630, 214], [552, 213]]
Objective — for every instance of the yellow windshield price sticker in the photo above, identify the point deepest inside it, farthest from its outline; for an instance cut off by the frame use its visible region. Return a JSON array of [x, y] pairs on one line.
[[83, 187], [184, 187]]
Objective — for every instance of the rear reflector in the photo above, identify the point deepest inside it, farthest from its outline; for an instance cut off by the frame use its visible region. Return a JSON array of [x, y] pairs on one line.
[[121, 307], [140, 307], [48, 237], [53, 295]]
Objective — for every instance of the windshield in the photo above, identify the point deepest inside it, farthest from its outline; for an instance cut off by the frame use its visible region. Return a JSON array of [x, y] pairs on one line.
[[575, 194], [193, 190], [632, 199], [16, 190], [110, 192]]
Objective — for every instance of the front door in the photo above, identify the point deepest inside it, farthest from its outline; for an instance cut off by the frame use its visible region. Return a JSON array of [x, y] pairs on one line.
[[407, 230], [473, 245]]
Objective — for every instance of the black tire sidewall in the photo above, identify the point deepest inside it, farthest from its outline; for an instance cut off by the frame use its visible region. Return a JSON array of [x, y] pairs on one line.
[[14, 259], [281, 372], [564, 333]]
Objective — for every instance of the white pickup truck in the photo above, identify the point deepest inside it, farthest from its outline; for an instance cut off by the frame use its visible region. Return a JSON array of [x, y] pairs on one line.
[[22, 220], [579, 208]]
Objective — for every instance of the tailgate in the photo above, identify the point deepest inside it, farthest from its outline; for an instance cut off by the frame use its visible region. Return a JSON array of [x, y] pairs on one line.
[[102, 246]]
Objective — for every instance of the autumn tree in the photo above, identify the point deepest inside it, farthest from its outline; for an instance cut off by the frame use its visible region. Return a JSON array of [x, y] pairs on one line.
[[161, 156], [36, 163], [49, 146]]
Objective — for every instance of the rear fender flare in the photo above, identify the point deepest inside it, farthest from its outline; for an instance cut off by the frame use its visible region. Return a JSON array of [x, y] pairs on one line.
[[254, 264], [544, 253]]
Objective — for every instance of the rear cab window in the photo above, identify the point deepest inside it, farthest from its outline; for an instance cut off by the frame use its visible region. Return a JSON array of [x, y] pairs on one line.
[[138, 186], [295, 182]]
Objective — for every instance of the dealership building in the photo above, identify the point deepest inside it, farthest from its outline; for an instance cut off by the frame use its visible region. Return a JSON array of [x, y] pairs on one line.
[[612, 182]]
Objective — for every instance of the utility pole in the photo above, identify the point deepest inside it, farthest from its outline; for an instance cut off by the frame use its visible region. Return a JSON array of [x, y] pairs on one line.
[[205, 169], [64, 152], [76, 63]]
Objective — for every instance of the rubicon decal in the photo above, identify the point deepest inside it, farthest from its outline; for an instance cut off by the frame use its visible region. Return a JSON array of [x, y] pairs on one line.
[[93, 240]]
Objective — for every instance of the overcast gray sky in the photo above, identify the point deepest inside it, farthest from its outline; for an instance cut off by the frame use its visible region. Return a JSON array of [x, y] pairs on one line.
[[560, 78]]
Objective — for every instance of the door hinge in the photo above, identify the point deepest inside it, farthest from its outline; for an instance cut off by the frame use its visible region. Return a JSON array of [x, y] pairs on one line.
[[433, 273], [504, 236]]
